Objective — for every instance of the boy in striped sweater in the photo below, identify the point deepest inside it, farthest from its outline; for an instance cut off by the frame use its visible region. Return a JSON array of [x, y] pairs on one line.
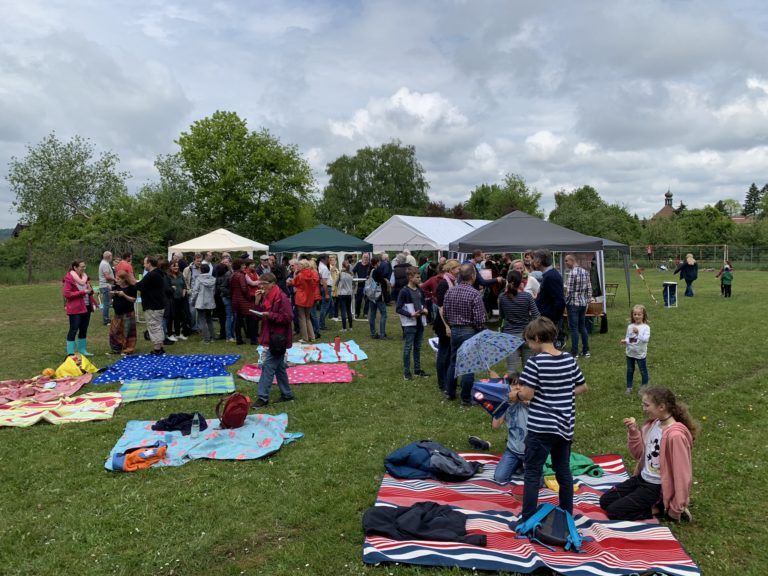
[[550, 381]]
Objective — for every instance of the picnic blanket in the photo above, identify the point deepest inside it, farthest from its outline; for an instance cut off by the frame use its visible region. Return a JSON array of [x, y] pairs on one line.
[[261, 434], [349, 351], [83, 408], [151, 367], [135, 390], [307, 374], [41, 388], [618, 547]]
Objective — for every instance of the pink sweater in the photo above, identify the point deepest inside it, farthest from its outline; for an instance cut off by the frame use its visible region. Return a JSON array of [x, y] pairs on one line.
[[674, 461]]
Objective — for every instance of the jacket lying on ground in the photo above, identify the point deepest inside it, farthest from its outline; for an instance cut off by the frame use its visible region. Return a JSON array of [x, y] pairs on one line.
[[422, 521], [428, 459]]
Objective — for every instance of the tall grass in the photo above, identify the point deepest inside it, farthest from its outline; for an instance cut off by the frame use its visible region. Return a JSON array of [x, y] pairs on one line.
[[299, 511]]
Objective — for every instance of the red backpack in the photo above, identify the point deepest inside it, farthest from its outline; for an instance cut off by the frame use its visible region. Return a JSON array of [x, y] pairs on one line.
[[235, 409]]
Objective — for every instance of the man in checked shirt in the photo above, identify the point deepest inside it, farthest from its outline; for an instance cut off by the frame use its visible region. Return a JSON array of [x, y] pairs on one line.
[[577, 295], [464, 314]]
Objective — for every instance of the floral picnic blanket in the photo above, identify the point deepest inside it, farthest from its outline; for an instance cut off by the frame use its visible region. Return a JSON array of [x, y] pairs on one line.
[[41, 388], [349, 351], [261, 434], [151, 367], [83, 408], [135, 390], [617, 547], [305, 374]]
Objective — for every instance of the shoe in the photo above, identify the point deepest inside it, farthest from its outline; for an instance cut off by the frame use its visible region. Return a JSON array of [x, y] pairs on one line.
[[231, 340], [421, 373], [587, 355], [158, 352], [239, 342], [284, 399], [260, 403], [181, 337], [628, 391], [169, 342], [385, 337], [449, 397], [479, 443], [466, 403], [407, 377], [172, 338], [343, 329], [375, 336]]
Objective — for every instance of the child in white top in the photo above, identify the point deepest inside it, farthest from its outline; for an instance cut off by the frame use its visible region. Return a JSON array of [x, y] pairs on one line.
[[636, 342]]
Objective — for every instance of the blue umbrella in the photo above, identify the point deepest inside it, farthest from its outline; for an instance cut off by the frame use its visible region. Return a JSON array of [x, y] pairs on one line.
[[483, 350]]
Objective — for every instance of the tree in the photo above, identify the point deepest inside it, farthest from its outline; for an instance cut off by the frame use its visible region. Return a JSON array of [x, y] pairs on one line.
[[584, 211], [371, 220], [436, 209], [705, 226], [388, 177], [729, 207], [245, 181], [59, 180], [752, 201], [493, 201]]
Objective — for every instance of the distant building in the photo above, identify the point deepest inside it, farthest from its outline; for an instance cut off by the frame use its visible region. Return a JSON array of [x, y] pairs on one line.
[[667, 211], [19, 229], [742, 219]]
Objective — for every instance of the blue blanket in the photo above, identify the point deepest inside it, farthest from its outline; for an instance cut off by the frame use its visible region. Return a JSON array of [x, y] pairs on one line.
[[261, 434], [151, 367]]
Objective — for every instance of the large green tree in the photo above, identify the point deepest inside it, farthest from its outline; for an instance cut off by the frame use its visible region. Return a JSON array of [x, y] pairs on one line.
[[752, 201], [705, 226], [388, 177], [246, 181], [583, 210], [57, 181], [492, 201]]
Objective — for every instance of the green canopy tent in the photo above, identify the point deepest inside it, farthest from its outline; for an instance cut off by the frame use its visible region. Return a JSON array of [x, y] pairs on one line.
[[321, 238]]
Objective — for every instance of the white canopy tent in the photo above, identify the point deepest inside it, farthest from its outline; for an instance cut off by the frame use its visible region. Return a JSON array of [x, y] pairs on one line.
[[420, 233], [221, 240]]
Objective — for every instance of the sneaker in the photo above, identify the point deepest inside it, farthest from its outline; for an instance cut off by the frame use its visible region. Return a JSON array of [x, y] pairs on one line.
[[181, 337], [407, 377], [375, 336], [231, 340], [172, 338], [479, 443], [284, 399], [466, 403], [343, 329], [421, 373], [302, 341], [628, 391], [385, 337], [260, 403], [158, 352], [587, 355]]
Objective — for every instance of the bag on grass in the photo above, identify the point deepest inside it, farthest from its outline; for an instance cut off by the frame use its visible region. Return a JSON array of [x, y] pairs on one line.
[[75, 365], [372, 289], [552, 526], [232, 410]]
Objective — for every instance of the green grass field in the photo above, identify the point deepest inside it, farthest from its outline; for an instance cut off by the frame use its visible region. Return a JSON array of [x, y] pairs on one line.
[[299, 511]]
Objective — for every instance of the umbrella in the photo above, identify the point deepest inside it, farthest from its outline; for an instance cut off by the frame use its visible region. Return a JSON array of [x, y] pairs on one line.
[[483, 350]]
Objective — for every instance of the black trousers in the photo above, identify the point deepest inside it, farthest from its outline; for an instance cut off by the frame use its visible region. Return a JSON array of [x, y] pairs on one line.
[[633, 499]]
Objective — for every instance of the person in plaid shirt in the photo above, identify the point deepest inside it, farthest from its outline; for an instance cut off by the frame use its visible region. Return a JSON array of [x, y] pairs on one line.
[[464, 315], [577, 296]]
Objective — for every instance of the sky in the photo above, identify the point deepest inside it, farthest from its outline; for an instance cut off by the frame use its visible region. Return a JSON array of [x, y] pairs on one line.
[[632, 98]]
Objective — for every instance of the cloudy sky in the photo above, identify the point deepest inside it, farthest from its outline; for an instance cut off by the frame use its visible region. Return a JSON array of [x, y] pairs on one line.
[[629, 97]]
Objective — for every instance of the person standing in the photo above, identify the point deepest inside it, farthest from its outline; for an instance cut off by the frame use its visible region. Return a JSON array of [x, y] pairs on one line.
[[464, 313], [241, 301], [125, 264], [326, 287], [550, 301], [78, 303], [276, 338], [344, 289], [152, 288], [413, 316], [577, 295], [122, 332], [442, 330], [360, 271], [106, 281], [204, 300], [517, 307], [379, 304], [689, 271], [304, 283]]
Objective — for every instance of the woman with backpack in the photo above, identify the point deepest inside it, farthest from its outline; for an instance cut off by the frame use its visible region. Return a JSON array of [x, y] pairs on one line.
[[662, 446]]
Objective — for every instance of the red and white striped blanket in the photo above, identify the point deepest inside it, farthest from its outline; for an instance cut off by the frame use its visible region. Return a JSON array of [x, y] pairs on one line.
[[616, 547]]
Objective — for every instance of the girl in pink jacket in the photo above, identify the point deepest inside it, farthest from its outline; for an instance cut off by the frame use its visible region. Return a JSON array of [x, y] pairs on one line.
[[662, 446]]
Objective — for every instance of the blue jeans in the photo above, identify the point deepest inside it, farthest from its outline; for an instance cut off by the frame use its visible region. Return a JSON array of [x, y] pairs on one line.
[[325, 305], [577, 325], [631, 371], [314, 320], [382, 308], [229, 325], [413, 338], [274, 366], [459, 335], [106, 302], [689, 288], [443, 363], [509, 464], [78, 326], [537, 448]]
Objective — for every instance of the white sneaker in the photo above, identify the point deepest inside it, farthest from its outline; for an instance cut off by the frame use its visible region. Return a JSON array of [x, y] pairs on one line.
[[173, 338], [180, 337]]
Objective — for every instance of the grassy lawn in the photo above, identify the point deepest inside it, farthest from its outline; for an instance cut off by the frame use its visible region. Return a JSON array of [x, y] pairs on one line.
[[299, 511]]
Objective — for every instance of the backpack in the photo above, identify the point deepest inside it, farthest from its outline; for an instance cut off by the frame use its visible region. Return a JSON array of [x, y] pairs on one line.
[[552, 526], [372, 289], [235, 409]]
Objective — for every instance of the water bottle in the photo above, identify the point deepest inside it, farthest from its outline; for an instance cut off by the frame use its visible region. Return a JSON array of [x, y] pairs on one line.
[[195, 425]]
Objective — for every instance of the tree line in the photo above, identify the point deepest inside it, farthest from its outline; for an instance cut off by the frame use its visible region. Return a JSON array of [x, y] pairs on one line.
[[224, 174]]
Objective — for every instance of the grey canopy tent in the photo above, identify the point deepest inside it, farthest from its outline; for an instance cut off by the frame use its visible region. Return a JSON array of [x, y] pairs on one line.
[[518, 231]]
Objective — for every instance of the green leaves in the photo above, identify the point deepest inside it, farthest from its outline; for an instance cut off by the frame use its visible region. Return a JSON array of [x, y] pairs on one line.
[[585, 211], [493, 201]]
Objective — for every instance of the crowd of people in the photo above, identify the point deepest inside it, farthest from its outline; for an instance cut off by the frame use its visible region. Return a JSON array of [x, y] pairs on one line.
[[266, 302]]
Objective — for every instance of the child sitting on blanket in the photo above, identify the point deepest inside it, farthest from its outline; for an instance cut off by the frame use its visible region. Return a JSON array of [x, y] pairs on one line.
[[662, 479], [516, 417], [551, 380]]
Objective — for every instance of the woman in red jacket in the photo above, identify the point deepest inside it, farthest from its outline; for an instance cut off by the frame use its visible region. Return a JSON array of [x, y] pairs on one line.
[[307, 286], [78, 298], [242, 302]]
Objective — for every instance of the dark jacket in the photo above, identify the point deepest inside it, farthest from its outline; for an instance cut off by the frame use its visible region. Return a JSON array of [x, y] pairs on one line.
[[152, 287], [428, 459], [238, 289], [551, 299], [401, 276]]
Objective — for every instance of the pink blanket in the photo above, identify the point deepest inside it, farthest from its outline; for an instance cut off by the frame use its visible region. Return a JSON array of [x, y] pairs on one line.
[[305, 373], [42, 388]]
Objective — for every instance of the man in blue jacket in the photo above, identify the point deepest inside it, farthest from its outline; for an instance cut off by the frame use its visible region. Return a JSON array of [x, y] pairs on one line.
[[551, 299]]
